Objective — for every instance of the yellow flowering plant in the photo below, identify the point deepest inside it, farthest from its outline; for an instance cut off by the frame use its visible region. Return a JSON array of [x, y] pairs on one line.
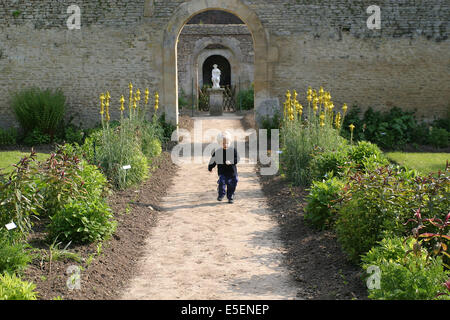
[[307, 130]]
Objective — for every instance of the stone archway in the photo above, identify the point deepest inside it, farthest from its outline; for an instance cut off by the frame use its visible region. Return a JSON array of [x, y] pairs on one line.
[[263, 56]]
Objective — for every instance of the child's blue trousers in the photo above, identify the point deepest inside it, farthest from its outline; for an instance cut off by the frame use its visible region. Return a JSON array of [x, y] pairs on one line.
[[227, 185]]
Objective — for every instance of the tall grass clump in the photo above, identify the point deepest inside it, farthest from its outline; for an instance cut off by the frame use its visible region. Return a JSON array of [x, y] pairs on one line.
[[306, 132], [125, 151], [39, 111]]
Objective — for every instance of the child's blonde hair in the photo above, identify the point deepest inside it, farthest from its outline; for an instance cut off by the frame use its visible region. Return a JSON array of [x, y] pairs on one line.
[[224, 136]]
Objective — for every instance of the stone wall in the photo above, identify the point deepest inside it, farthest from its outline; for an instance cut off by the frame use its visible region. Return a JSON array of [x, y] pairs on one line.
[[309, 42]]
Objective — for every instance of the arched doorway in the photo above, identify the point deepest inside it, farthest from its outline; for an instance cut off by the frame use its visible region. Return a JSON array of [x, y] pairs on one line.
[[184, 12], [224, 66]]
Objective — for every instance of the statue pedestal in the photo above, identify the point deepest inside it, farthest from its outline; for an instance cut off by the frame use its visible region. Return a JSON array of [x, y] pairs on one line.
[[216, 101]]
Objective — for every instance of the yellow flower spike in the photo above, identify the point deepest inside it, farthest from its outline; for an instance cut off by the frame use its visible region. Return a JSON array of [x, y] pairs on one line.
[[321, 91], [147, 93], [288, 95], [315, 108], [316, 100], [135, 102], [156, 101], [344, 108], [138, 94], [102, 103], [352, 127], [122, 101], [309, 98], [309, 91]]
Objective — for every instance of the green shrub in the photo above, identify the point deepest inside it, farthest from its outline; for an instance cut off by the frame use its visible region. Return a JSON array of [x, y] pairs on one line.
[[246, 99], [13, 256], [167, 128], [323, 196], [73, 135], [12, 288], [439, 138], [114, 152], [329, 163], [60, 181], [8, 136], [382, 201], [20, 198], [407, 273], [39, 110], [271, 123], [82, 222], [36, 137], [152, 149], [364, 150], [443, 123]]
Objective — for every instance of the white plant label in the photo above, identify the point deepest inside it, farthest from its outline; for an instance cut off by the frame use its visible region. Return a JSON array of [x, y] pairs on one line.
[[128, 167], [11, 226], [74, 281]]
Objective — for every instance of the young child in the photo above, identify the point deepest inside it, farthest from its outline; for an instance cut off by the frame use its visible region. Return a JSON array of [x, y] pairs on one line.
[[226, 159]]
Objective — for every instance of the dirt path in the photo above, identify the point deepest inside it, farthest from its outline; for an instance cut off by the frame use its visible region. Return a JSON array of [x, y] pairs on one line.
[[203, 249]]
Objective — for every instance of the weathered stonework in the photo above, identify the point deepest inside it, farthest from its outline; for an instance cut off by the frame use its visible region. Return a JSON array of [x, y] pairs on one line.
[[194, 47], [296, 43]]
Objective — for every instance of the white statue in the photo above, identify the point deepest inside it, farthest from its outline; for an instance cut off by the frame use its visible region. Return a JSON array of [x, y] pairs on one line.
[[216, 77]]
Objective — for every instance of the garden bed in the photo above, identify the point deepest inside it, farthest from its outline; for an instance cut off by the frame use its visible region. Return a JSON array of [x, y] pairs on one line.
[[106, 267], [314, 258], [110, 270]]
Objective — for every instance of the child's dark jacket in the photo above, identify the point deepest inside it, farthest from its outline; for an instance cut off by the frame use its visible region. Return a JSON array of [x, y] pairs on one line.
[[219, 158]]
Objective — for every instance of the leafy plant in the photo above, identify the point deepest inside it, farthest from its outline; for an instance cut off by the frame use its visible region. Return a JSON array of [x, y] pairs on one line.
[[271, 123], [382, 200], [246, 99], [83, 222], [329, 163], [20, 198], [60, 181], [36, 137], [73, 135], [364, 151], [404, 276], [13, 256], [439, 138], [40, 110], [57, 254], [8, 136], [322, 199], [12, 288]]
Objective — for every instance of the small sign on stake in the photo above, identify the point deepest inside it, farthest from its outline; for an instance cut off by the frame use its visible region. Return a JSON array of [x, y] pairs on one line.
[[10, 226], [128, 167]]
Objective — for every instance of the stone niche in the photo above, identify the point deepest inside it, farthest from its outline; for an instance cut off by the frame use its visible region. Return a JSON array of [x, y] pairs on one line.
[[200, 46]]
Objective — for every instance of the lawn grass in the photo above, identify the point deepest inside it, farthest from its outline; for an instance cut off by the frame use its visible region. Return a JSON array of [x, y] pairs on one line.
[[8, 158], [422, 162]]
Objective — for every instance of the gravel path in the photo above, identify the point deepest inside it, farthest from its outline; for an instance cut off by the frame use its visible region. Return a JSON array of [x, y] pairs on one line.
[[203, 249]]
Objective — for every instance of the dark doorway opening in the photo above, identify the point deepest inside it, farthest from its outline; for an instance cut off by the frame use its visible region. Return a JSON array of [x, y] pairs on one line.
[[222, 64]]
